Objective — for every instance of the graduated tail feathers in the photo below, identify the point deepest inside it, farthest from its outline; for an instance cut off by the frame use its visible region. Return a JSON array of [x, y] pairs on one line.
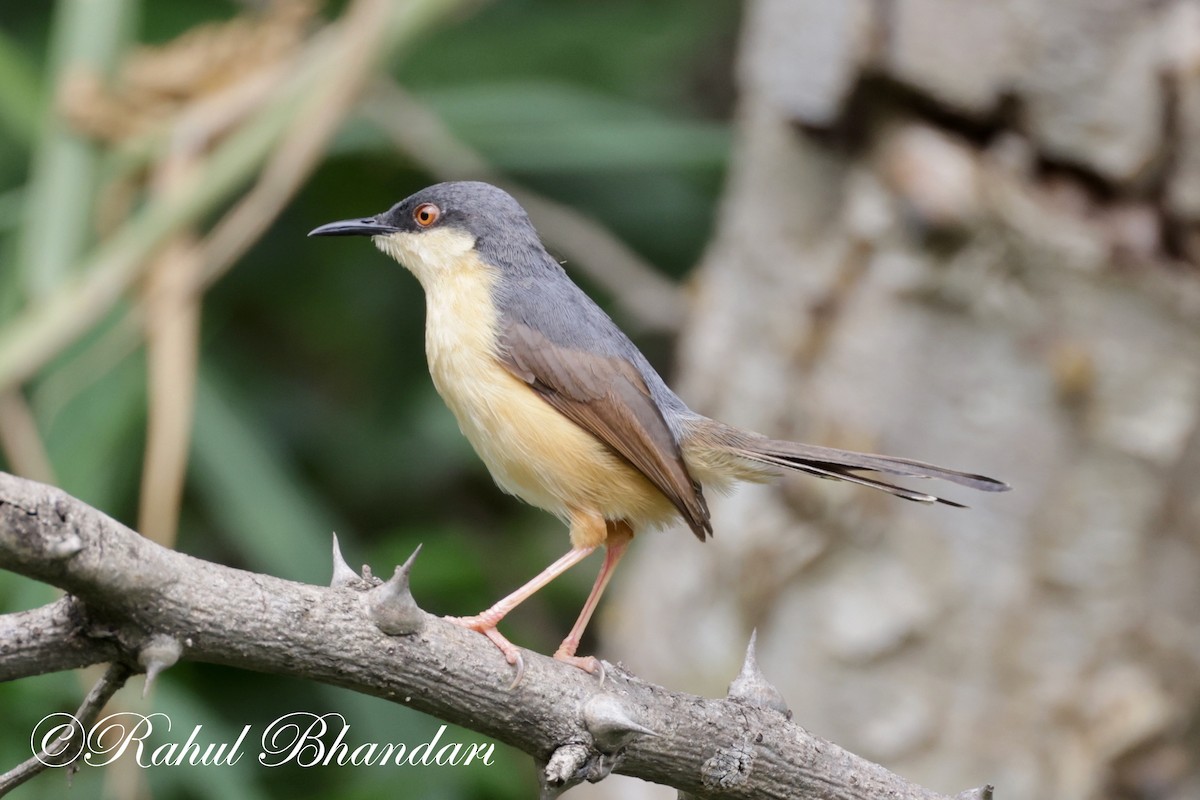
[[843, 465]]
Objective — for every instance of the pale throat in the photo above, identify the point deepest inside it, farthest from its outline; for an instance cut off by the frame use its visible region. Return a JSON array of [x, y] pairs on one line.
[[460, 322], [432, 254]]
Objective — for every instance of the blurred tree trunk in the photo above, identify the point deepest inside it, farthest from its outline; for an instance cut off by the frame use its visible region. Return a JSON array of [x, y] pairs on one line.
[[968, 234]]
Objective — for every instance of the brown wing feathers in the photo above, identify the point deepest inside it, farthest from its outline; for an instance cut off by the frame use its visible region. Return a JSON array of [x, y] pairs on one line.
[[606, 396]]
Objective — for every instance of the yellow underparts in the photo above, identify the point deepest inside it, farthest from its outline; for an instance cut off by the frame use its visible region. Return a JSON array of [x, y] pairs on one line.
[[531, 450]]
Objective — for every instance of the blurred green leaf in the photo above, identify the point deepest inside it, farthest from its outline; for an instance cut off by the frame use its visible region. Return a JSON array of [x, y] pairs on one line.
[[94, 436], [87, 35], [553, 127], [265, 511], [185, 711], [20, 94]]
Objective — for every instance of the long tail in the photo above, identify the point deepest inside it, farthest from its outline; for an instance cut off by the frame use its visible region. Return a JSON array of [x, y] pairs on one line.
[[846, 465]]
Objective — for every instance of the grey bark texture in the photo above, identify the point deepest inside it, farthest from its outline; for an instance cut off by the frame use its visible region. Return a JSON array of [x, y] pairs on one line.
[[144, 606], [965, 233]]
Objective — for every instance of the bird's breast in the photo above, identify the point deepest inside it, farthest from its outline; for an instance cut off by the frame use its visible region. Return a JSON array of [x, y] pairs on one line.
[[530, 449]]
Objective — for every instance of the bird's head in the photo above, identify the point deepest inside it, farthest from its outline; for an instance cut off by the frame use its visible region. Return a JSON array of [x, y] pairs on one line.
[[441, 227]]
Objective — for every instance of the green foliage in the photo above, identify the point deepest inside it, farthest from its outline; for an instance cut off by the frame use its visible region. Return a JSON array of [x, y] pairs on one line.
[[313, 410]]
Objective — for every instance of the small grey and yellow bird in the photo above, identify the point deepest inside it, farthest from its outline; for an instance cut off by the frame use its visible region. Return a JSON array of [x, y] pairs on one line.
[[562, 407]]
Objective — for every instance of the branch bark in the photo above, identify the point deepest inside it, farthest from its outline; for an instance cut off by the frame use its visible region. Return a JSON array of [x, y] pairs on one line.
[[50, 639], [128, 593]]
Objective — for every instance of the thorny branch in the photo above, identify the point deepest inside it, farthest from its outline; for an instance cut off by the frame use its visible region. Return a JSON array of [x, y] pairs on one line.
[[141, 606]]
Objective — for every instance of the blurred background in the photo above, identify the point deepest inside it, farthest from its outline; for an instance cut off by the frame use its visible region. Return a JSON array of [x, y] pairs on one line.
[[964, 233]]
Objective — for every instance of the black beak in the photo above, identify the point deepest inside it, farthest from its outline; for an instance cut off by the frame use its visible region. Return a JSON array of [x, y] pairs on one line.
[[368, 226]]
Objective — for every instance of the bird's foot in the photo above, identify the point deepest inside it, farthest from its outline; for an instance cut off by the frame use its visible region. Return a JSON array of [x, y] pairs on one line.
[[486, 624], [589, 664]]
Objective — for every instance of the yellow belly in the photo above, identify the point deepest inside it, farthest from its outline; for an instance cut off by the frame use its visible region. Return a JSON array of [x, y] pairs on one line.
[[540, 456], [530, 449]]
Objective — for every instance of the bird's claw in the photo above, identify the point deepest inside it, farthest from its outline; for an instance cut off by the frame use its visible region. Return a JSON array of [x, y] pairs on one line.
[[520, 665], [589, 664], [512, 653], [485, 624]]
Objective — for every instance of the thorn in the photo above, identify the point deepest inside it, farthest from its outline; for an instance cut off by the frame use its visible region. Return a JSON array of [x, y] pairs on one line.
[[407, 565], [982, 793], [752, 687], [610, 723], [391, 605], [343, 574], [158, 653]]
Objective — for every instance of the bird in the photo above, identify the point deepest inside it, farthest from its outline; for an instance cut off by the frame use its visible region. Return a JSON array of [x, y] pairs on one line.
[[564, 410]]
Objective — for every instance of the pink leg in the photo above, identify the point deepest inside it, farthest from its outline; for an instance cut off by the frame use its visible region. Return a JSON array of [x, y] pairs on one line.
[[619, 537], [486, 621]]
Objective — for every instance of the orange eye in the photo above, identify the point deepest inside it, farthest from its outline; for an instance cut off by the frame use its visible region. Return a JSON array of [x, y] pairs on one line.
[[426, 214]]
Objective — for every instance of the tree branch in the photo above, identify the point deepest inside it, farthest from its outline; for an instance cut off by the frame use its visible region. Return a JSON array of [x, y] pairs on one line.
[[69, 745], [51, 639], [134, 594]]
